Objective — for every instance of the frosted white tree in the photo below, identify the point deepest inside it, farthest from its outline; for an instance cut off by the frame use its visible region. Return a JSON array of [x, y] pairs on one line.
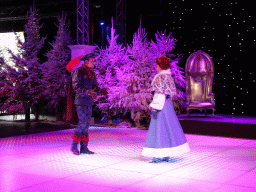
[[139, 72], [163, 45], [107, 69], [127, 73]]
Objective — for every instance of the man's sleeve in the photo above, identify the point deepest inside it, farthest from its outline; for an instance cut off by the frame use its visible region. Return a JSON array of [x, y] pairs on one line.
[[76, 82]]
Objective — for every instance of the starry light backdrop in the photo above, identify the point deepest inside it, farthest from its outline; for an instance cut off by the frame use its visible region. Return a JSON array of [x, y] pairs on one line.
[[226, 31]]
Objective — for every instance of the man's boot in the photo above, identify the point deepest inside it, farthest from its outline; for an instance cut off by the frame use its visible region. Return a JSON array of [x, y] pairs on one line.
[[84, 148], [74, 148]]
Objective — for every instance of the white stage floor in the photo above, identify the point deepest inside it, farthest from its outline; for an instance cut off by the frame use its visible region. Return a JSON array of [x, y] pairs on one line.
[[43, 162]]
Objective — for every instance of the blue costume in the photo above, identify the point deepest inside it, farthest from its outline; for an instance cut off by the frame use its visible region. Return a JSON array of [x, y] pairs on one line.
[[165, 136]]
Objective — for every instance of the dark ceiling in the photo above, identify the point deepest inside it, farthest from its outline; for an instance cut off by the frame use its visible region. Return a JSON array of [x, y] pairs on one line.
[[13, 14], [17, 10]]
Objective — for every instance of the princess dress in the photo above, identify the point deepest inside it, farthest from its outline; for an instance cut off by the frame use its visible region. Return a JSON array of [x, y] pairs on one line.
[[165, 136]]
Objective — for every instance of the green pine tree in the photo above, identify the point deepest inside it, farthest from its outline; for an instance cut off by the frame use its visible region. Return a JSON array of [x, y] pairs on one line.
[[55, 68], [23, 81]]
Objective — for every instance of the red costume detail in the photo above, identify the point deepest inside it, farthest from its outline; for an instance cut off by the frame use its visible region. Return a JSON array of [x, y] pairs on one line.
[[73, 63], [88, 70], [83, 138], [71, 116]]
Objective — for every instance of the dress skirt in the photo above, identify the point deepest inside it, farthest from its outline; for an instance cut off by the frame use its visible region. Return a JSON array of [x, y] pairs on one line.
[[165, 136]]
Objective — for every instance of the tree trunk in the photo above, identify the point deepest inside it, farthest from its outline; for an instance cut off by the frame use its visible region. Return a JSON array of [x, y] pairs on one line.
[[61, 110], [110, 122], [36, 111], [137, 119], [27, 112], [58, 113]]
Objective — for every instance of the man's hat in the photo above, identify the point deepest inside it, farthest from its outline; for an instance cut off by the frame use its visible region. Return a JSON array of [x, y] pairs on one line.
[[77, 62], [88, 56]]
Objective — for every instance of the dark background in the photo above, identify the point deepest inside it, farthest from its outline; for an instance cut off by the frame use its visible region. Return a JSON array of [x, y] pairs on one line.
[[224, 29]]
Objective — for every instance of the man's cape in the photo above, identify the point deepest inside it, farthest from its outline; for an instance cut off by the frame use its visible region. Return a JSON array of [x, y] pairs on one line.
[[71, 116]]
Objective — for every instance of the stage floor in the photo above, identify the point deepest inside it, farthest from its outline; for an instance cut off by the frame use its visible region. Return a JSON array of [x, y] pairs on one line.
[[43, 162]]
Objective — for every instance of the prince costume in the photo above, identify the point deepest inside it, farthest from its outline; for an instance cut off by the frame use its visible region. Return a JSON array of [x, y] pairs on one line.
[[85, 89]]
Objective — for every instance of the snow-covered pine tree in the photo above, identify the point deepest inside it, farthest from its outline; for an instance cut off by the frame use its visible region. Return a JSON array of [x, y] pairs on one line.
[[163, 45], [107, 69], [54, 68], [23, 81], [127, 73], [138, 74]]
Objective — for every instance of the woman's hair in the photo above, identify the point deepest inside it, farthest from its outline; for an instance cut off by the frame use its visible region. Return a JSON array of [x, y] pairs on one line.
[[163, 62]]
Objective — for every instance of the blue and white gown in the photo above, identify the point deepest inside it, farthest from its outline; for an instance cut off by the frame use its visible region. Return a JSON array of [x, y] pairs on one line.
[[165, 135]]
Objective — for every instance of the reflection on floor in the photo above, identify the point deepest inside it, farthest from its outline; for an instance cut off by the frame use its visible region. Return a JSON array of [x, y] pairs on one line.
[[43, 162]]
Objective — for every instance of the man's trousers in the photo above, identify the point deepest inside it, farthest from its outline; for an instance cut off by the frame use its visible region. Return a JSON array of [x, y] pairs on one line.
[[84, 113]]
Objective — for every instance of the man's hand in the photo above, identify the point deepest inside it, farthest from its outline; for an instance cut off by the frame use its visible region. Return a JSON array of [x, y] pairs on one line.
[[103, 92], [92, 93]]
